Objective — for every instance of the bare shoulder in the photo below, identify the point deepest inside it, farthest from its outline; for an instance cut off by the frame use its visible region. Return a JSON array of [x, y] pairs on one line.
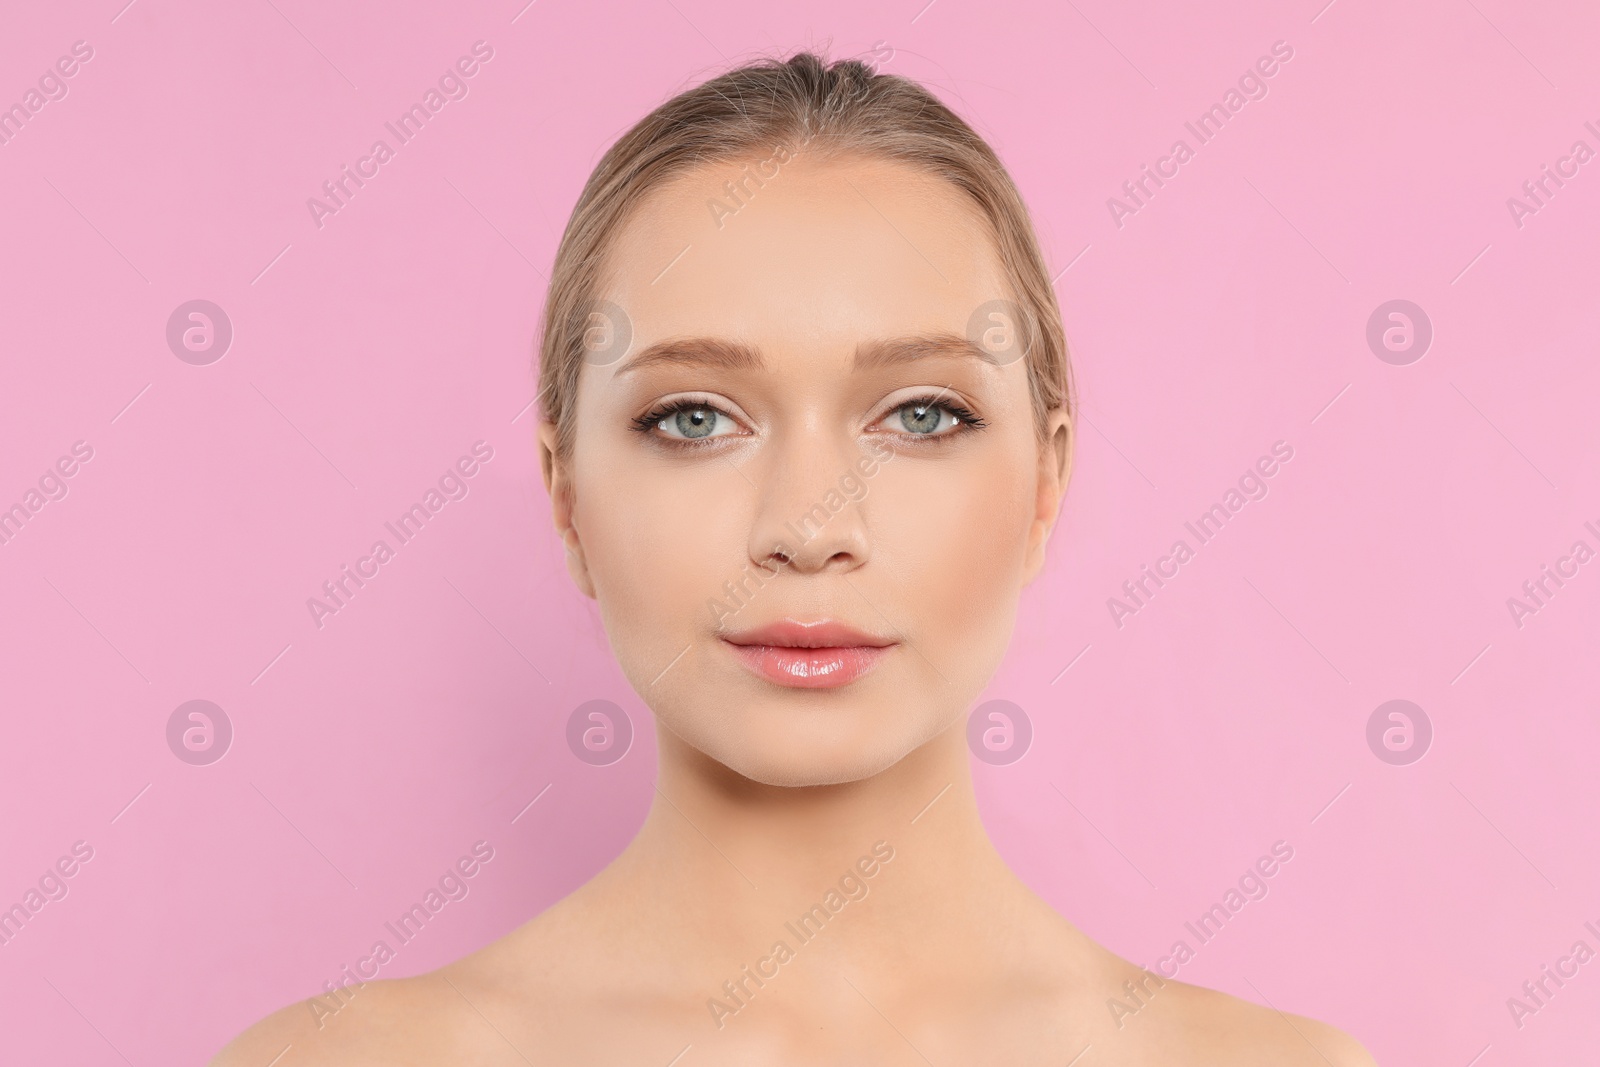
[[389, 1022], [1227, 1029], [463, 1012]]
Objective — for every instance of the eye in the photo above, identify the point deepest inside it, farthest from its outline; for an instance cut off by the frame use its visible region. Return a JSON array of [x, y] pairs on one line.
[[687, 420], [931, 417]]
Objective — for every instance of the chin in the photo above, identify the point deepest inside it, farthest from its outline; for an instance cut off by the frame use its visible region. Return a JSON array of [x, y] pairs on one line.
[[802, 746], [794, 770]]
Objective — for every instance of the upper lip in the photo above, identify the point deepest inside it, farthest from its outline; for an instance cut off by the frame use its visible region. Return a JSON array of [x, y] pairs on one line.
[[822, 633]]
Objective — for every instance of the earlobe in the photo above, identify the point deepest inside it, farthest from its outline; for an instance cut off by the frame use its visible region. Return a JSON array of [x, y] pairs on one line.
[[562, 510], [577, 568]]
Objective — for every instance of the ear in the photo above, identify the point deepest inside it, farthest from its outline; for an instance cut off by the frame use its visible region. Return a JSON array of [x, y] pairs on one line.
[[563, 510], [1055, 471]]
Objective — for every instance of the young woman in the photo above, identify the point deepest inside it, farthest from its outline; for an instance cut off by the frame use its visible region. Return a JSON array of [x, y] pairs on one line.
[[807, 425]]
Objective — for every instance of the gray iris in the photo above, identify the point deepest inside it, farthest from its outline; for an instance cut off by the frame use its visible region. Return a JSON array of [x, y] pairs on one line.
[[696, 422], [920, 418]]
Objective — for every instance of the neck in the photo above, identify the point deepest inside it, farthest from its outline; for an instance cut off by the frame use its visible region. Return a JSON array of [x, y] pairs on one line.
[[746, 858]]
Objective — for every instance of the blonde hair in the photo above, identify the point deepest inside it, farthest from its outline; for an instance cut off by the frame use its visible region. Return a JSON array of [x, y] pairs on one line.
[[750, 111]]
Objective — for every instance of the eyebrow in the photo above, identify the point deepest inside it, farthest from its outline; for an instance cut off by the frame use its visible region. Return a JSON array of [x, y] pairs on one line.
[[869, 355], [872, 355]]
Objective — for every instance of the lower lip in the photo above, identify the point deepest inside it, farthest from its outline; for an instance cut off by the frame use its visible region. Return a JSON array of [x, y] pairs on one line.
[[810, 668]]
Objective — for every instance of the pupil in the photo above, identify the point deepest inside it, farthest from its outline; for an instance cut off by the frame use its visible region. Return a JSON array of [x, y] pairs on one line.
[[920, 418], [696, 422]]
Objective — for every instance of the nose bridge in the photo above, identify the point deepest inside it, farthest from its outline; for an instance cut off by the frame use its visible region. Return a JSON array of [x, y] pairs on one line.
[[809, 517]]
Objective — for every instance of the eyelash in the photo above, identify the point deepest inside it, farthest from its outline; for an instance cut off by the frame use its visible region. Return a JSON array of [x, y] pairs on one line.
[[966, 418]]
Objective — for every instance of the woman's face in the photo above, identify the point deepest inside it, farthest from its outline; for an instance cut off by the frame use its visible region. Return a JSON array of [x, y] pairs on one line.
[[805, 502]]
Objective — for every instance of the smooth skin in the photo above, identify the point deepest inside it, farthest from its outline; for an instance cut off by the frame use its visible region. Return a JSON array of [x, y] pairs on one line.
[[788, 321]]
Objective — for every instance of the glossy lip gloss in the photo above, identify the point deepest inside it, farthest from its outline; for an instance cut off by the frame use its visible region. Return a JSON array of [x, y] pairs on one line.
[[815, 655]]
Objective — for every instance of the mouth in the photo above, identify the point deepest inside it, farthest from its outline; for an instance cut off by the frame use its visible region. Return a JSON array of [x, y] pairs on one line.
[[809, 655]]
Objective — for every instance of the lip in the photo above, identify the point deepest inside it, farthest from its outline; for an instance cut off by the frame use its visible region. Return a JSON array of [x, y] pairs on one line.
[[823, 654]]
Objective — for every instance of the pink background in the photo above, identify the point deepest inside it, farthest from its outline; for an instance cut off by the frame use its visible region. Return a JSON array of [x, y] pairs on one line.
[[1228, 313]]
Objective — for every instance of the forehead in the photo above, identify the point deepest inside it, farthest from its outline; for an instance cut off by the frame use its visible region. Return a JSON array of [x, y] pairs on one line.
[[818, 251]]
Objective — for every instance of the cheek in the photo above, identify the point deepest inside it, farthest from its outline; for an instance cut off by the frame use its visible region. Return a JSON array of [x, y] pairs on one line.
[[660, 540], [953, 536]]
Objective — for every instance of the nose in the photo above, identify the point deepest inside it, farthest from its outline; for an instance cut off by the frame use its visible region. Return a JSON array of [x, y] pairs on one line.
[[809, 517]]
